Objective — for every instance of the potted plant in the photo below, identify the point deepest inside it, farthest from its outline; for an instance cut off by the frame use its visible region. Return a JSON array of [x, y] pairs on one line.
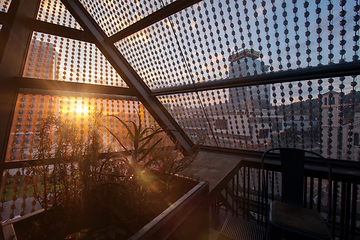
[[90, 194]]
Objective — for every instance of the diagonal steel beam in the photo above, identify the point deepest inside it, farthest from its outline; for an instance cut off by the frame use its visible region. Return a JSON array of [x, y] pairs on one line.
[[58, 30], [128, 74], [308, 73], [152, 18], [48, 85]]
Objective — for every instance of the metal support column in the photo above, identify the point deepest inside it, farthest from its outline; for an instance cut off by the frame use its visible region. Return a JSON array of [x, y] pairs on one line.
[[15, 38]]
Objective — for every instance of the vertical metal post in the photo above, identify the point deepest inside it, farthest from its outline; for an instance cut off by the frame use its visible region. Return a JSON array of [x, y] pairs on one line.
[[259, 197], [272, 187], [248, 193], [353, 211], [342, 210], [265, 191], [311, 192], [319, 194], [232, 196], [305, 190], [15, 38], [347, 212], [237, 194], [244, 189], [334, 196]]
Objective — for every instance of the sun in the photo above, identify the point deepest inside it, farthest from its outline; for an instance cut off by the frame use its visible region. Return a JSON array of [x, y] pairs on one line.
[[80, 109]]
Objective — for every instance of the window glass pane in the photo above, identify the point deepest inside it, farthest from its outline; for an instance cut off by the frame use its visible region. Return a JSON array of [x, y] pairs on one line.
[[115, 16], [32, 109], [296, 114], [57, 58], [216, 40], [53, 11]]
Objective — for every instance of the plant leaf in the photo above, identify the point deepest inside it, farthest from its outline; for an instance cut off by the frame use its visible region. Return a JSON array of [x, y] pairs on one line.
[[123, 123], [149, 150], [117, 139]]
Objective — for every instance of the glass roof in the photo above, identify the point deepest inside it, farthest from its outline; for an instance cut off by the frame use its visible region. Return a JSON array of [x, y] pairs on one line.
[[243, 75], [113, 17], [63, 59], [55, 12], [199, 43]]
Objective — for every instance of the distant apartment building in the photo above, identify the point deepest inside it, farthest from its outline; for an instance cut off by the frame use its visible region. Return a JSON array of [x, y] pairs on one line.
[[299, 122], [245, 63], [255, 130], [42, 61], [339, 140]]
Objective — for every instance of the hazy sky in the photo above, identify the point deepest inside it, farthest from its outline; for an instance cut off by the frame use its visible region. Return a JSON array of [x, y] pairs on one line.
[[206, 46], [194, 44]]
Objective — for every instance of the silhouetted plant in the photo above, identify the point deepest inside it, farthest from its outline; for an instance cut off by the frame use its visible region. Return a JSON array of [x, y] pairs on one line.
[[79, 180], [135, 157]]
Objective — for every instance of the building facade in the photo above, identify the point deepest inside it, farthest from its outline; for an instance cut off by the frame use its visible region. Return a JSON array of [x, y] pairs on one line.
[[242, 64]]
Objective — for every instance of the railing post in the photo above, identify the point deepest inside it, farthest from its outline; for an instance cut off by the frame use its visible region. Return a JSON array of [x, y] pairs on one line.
[[319, 194], [347, 207], [334, 195], [311, 192], [237, 194], [255, 200], [305, 190], [244, 189], [233, 195], [353, 210], [259, 197], [342, 213], [248, 192]]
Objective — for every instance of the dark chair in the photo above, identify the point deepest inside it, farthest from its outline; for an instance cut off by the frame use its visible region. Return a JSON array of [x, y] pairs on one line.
[[289, 219]]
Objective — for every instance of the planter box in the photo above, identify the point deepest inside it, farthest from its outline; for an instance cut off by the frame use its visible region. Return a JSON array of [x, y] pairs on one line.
[[186, 219]]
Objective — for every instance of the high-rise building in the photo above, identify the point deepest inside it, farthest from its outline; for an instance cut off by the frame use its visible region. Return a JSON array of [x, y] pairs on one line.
[[42, 61], [245, 63]]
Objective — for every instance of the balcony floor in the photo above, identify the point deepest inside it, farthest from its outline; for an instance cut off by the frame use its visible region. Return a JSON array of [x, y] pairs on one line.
[[214, 167]]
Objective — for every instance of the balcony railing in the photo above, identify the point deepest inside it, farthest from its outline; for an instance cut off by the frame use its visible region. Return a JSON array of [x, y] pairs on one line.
[[241, 193]]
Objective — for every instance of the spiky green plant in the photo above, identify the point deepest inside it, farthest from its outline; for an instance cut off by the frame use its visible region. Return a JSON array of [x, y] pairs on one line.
[[137, 156]]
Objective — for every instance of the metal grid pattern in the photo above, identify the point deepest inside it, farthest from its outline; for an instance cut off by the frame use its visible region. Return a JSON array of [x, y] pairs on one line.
[[31, 109], [113, 17], [205, 42], [58, 58], [55, 12]]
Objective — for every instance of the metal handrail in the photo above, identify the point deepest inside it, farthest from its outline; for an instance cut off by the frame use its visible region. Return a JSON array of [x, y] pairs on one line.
[[264, 185]]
